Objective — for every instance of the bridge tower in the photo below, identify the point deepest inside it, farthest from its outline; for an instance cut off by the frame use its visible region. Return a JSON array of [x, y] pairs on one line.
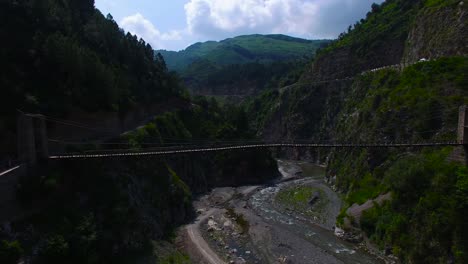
[[463, 130], [463, 125], [32, 138]]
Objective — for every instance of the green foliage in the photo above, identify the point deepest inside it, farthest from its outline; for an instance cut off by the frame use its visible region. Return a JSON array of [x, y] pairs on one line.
[[388, 21], [424, 216], [73, 57], [233, 78], [263, 106], [64, 56], [242, 65], [365, 189], [10, 252], [241, 50], [417, 104], [55, 250], [424, 222], [175, 258], [240, 220], [440, 3], [298, 198], [462, 187]]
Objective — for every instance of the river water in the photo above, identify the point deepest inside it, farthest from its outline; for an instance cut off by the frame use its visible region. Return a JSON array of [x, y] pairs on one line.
[[319, 234]]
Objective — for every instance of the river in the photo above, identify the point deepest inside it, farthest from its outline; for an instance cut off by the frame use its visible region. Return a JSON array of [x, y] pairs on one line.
[[270, 231]]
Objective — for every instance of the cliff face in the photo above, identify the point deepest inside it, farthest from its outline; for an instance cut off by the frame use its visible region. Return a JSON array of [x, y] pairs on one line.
[[309, 110], [347, 61], [438, 32]]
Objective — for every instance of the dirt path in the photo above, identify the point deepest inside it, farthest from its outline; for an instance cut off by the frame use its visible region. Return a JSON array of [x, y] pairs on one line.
[[196, 239]]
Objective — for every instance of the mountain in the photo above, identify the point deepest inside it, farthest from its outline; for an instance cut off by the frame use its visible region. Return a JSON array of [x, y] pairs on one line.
[[398, 75], [243, 49], [241, 66]]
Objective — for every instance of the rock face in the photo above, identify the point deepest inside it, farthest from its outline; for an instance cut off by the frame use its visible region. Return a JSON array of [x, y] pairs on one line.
[[438, 33], [309, 109], [204, 172], [348, 61]]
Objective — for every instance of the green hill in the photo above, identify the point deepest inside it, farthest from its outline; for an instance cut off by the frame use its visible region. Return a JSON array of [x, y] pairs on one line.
[[243, 49], [243, 65]]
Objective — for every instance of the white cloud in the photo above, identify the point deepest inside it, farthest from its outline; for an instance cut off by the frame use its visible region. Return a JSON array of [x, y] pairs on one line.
[[307, 18], [137, 24], [219, 19]]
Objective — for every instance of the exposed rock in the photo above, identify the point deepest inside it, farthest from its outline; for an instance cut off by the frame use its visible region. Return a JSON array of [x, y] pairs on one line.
[[227, 223], [355, 211], [240, 260], [212, 225], [339, 232], [438, 33]]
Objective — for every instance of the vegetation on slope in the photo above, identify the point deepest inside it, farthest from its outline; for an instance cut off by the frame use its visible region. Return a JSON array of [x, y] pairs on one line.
[[244, 80], [241, 66], [208, 123], [243, 49], [388, 21], [118, 210], [423, 223], [61, 56], [98, 211]]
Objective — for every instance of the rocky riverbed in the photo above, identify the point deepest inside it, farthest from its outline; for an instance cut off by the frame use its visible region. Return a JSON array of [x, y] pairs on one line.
[[277, 223]]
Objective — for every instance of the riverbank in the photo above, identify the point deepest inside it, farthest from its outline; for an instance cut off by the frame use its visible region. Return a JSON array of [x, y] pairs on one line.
[[249, 225]]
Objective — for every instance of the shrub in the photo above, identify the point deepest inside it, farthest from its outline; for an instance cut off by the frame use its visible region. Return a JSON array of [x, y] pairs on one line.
[[10, 252]]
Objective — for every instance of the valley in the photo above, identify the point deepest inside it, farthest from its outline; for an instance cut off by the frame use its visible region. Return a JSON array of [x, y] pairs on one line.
[[260, 148]]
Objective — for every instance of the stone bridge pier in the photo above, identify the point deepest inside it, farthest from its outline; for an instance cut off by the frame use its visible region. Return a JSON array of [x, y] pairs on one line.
[[32, 139]]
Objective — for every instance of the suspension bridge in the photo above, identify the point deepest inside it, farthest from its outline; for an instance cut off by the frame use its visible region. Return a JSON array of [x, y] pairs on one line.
[[199, 149], [33, 143]]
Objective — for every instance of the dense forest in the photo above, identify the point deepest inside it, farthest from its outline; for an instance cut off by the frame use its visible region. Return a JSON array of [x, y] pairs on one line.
[[61, 56], [65, 54], [242, 66], [240, 50]]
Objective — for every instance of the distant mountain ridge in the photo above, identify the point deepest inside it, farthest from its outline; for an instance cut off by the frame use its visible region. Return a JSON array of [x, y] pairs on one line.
[[242, 50]]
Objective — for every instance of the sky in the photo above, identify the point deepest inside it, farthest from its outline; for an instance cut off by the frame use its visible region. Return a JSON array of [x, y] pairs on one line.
[[176, 24]]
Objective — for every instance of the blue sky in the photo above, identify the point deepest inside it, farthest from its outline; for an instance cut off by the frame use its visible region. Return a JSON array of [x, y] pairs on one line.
[[176, 24]]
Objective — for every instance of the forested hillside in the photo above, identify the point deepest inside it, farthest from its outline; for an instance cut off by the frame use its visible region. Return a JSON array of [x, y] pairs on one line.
[[243, 49], [61, 56], [242, 66], [337, 100]]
